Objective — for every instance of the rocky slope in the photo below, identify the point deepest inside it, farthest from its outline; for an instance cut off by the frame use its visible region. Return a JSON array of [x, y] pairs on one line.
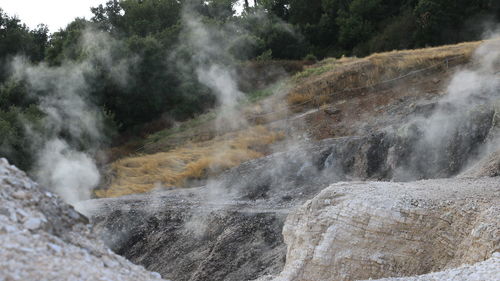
[[482, 271], [42, 238], [353, 231], [202, 233], [230, 229], [302, 213]]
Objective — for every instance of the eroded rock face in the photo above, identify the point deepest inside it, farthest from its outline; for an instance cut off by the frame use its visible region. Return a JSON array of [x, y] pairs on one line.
[[42, 238], [202, 233], [483, 271], [353, 231], [184, 237], [489, 166], [230, 228]]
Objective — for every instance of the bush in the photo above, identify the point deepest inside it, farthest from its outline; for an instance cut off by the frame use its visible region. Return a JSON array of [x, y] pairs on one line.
[[265, 56], [311, 58], [16, 143], [246, 47]]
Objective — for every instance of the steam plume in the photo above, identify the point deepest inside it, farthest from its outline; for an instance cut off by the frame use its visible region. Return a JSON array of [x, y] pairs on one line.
[[73, 125]]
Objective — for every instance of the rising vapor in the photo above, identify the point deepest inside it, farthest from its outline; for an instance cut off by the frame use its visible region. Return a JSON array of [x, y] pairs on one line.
[[72, 126]]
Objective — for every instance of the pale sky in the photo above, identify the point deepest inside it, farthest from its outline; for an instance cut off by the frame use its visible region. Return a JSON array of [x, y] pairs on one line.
[[54, 13]]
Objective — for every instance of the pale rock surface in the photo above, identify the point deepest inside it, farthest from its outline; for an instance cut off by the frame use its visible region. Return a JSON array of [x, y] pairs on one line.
[[369, 230], [42, 238], [489, 166], [483, 271]]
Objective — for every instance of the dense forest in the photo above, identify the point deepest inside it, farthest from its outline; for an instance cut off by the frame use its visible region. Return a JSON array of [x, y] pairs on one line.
[[148, 38]]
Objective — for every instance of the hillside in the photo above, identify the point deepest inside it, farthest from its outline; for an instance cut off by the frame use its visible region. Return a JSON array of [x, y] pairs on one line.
[[393, 175], [332, 98], [357, 168], [231, 140]]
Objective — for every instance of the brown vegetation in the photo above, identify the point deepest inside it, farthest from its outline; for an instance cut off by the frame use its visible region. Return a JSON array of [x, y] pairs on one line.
[[191, 161], [352, 88], [334, 79]]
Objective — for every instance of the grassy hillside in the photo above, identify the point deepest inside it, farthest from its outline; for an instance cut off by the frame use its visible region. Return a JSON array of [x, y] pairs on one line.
[[191, 161], [195, 150], [331, 79]]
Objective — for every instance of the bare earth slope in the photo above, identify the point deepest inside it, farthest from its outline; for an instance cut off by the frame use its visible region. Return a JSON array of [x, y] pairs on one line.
[[333, 98]]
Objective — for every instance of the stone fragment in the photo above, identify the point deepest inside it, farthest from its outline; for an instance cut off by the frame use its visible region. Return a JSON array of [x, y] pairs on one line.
[[55, 248], [33, 223], [21, 195]]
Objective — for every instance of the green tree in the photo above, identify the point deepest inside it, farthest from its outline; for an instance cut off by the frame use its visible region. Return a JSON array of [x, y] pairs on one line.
[[304, 12], [279, 8], [65, 44], [430, 18], [17, 39]]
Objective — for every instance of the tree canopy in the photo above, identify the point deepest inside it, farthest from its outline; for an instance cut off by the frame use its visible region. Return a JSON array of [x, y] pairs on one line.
[[143, 67]]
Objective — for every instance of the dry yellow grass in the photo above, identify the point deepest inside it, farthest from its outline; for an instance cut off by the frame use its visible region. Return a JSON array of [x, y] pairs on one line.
[[190, 161], [318, 84]]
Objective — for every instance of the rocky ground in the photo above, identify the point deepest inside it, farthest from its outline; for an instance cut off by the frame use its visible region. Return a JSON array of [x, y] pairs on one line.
[[361, 230], [230, 228], [42, 238], [389, 182], [211, 234], [487, 270]]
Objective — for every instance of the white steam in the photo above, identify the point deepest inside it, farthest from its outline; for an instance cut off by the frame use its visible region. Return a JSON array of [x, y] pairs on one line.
[[213, 66], [68, 167], [459, 127], [69, 173]]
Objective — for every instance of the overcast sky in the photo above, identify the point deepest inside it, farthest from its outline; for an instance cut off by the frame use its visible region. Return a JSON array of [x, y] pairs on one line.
[[54, 13]]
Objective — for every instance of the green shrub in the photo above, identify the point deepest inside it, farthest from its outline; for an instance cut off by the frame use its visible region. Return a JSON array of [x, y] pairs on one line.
[[311, 58]]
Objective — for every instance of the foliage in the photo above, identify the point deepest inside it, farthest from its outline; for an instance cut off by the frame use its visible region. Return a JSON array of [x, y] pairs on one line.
[[15, 143], [246, 47], [17, 39], [310, 58], [64, 44], [315, 70], [361, 27], [188, 162], [260, 94], [147, 37], [201, 119]]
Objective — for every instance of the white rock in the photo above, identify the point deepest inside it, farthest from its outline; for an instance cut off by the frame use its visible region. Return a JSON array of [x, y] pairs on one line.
[[33, 223], [13, 216], [55, 248], [156, 275], [21, 195], [31, 251], [22, 213], [8, 228], [353, 231], [110, 263], [488, 270]]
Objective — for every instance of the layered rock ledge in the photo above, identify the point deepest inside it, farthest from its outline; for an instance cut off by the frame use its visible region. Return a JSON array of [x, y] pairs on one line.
[[353, 231], [482, 271]]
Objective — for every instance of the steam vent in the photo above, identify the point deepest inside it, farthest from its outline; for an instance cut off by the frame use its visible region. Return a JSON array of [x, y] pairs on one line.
[[229, 140]]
